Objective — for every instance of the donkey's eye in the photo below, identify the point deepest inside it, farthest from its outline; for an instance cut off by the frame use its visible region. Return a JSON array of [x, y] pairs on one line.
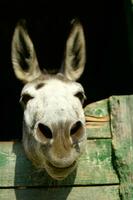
[[25, 98], [81, 96]]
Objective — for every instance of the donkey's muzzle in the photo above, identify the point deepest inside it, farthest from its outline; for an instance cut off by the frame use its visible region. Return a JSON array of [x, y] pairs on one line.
[[44, 132]]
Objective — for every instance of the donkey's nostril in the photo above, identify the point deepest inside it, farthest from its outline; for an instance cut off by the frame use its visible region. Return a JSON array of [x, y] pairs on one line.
[[75, 128], [45, 130]]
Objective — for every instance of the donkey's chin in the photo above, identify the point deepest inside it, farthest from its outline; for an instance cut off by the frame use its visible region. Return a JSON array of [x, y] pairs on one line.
[[59, 173]]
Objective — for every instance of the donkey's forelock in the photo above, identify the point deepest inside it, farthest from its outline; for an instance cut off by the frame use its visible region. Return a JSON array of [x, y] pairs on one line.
[[47, 76], [54, 123]]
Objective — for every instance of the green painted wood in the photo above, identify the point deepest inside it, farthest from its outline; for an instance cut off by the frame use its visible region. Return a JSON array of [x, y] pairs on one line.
[[97, 109], [95, 167], [67, 193], [98, 129], [122, 132]]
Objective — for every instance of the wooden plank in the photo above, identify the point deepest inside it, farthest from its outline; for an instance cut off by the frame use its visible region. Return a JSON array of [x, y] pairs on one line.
[[98, 130], [67, 193], [97, 120], [122, 132], [95, 167], [97, 109]]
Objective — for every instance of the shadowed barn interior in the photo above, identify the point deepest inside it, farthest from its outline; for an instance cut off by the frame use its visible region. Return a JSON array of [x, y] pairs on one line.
[[108, 68]]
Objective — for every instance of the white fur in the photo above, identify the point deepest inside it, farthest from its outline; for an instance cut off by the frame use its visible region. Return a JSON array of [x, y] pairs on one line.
[[54, 105]]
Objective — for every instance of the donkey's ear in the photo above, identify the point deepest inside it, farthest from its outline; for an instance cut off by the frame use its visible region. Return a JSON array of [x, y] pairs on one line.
[[75, 54], [24, 58]]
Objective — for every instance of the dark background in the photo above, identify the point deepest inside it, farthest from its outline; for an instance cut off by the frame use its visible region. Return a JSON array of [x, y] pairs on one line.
[[108, 69]]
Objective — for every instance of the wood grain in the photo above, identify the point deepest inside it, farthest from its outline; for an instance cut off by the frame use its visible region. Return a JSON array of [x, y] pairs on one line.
[[98, 119], [122, 132], [94, 167], [69, 193]]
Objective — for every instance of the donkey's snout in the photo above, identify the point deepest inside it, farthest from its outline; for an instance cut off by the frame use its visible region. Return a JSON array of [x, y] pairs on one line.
[[43, 132], [76, 131]]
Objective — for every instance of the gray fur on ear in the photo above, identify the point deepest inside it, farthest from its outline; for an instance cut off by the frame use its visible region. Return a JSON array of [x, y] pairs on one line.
[[75, 53], [23, 54]]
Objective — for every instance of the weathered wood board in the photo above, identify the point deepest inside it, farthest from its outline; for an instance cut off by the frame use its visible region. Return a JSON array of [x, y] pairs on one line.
[[94, 167], [122, 142], [69, 193], [97, 123]]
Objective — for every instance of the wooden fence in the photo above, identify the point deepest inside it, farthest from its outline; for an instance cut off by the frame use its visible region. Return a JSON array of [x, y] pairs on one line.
[[105, 170]]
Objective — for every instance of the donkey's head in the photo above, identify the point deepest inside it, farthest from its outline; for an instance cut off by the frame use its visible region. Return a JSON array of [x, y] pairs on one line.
[[54, 123]]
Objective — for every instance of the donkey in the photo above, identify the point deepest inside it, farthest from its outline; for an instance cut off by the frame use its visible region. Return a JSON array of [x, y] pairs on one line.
[[54, 134]]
